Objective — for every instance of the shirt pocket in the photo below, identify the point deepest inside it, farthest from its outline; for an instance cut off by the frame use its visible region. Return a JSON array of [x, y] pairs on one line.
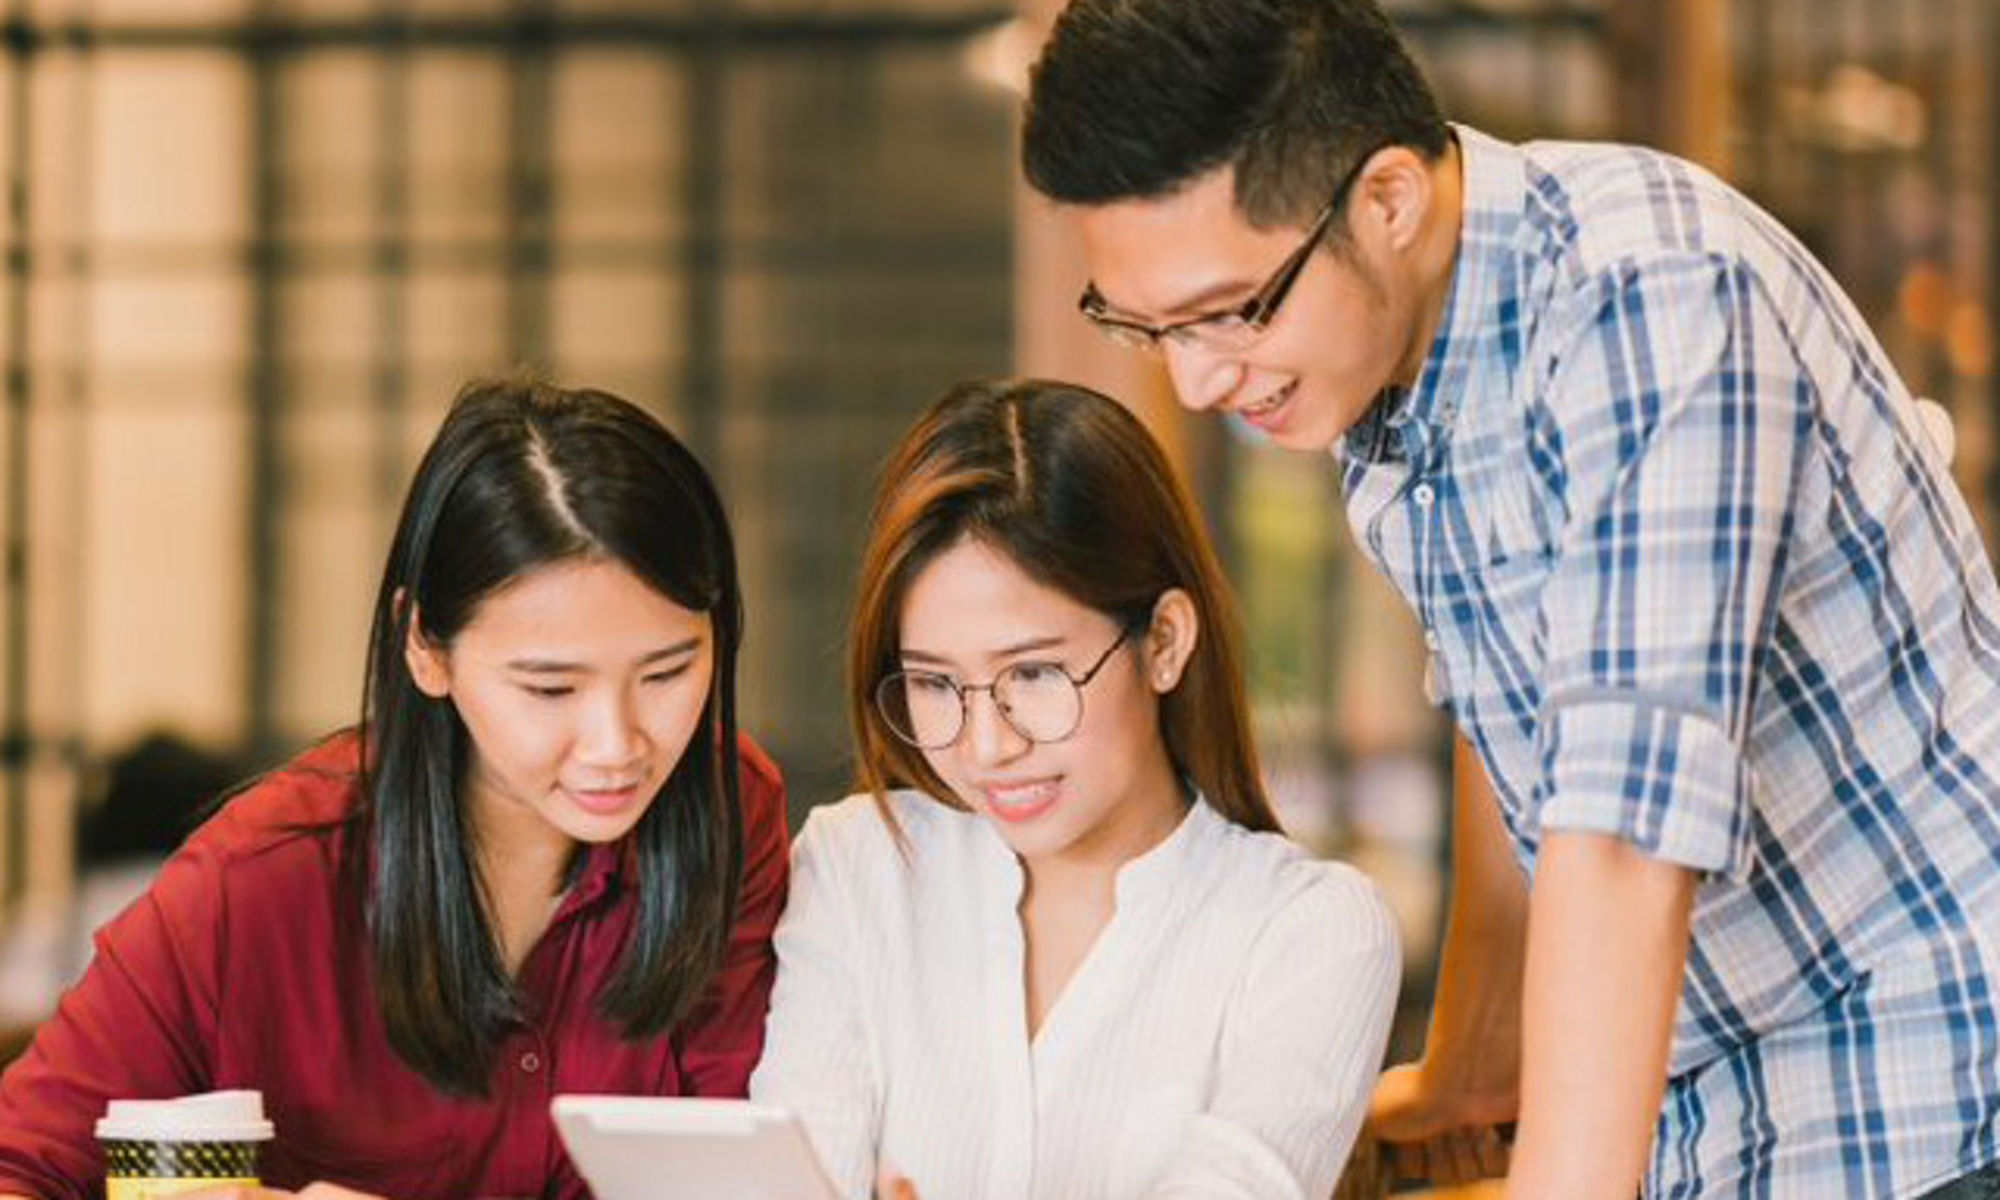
[[1518, 522], [1516, 548], [1496, 688]]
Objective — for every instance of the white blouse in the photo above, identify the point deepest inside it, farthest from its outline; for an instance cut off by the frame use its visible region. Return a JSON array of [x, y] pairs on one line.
[[1220, 1039]]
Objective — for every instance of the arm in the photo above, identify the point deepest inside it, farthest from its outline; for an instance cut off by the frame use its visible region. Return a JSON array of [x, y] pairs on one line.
[[1301, 1045], [1439, 1110], [140, 1023], [1689, 424], [1607, 946], [816, 1052], [720, 1045]]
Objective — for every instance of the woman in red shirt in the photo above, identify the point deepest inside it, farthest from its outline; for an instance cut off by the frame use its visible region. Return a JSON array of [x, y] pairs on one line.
[[543, 862]]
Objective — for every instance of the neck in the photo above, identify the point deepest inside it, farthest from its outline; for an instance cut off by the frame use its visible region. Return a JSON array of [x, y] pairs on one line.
[[1089, 868], [521, 862], [519, 855], [1435, 258]]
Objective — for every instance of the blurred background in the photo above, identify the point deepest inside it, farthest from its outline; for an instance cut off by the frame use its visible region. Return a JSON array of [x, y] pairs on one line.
[[252, 247]]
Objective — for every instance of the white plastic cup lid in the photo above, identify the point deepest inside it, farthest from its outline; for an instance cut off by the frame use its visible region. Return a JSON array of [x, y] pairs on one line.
[[235, 1116]]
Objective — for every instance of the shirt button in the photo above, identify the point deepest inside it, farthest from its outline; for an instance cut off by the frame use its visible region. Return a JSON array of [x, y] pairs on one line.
[[530, 1063], [1423, 494], [1431, 638]]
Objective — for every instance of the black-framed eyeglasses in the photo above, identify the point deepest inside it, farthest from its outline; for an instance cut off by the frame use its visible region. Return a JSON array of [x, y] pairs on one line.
[[1041, 701], [1234, 328]]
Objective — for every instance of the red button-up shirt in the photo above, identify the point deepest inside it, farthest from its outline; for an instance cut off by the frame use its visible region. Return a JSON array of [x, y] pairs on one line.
[[247, 966]]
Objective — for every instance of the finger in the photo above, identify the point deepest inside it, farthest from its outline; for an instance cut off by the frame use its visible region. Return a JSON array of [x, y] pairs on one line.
[[1453, 1159], [1397, 1109], [332, 1191], [891, 1186], [1361, 1175], [1492, 1154], [1407, 1160]]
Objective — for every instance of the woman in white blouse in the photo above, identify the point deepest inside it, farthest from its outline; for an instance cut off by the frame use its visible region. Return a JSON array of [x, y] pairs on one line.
[[1056, 948]]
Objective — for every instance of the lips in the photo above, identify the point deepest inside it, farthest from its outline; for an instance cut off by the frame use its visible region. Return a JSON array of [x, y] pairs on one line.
[[604, 801], [1269, 413], [1015, 803]]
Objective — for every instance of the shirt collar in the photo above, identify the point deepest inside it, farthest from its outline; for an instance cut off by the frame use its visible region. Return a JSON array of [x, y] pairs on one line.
[[598, 874], [1410, 425], [1159, 871], [1150, 876]]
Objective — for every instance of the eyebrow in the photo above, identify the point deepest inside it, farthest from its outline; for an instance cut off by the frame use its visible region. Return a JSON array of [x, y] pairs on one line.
[[556, 666], [925, 658], [1201, 303]]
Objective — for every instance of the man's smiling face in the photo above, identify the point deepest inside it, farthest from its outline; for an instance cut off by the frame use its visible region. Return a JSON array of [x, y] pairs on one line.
[[1342, 334]]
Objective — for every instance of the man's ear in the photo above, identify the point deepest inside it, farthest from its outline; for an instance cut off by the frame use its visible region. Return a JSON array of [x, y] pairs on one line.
[[1397, 191], [1170, 639], [425, 659]]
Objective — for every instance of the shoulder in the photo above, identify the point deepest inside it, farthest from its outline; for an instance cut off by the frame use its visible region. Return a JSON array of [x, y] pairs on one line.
[[275, 848], [311, 798], [1609, 202], [1300, 901], [1335, 898], [905, 832], [1336, 926], [761, 783], [1603, 220], [758, 768], [861, 827]]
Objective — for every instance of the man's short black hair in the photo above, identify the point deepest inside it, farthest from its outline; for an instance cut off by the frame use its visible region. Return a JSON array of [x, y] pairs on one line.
[[1132, 99]]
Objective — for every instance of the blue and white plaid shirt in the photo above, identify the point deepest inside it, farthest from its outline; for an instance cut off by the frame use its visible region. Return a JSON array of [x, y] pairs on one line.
[[1693, 575]]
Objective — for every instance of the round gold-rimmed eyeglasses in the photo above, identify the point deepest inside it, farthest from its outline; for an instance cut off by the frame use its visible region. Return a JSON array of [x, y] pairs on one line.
[[1039, 700]]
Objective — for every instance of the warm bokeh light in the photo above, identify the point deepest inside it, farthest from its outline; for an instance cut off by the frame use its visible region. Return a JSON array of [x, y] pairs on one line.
[[1924, 299], [1969, 340]]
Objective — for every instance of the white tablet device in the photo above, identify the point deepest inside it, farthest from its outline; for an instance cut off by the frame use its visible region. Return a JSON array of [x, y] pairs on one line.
[[663, 1148]]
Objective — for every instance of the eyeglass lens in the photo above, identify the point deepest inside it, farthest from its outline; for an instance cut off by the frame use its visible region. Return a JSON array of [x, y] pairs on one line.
[[928, 710]]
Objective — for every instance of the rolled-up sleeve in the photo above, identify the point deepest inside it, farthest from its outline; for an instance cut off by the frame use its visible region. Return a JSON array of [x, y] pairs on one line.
[[1685, 417]]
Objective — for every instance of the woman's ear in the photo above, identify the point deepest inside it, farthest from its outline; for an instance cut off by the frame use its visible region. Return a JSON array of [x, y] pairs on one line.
[[1170, 639], [425, 659]]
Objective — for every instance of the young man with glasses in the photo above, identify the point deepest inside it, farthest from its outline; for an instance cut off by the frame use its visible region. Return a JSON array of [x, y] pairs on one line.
[[1698, 592]]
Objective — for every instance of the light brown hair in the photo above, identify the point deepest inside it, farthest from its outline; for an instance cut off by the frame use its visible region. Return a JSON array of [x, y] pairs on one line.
[[1072, 489]]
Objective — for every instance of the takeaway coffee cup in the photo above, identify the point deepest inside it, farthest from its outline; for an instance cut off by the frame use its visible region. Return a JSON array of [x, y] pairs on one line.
[[160, 1147]]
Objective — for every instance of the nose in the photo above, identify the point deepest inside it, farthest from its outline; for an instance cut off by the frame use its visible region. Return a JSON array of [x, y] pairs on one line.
[[1202, 378], [987, 734], [611, 734]]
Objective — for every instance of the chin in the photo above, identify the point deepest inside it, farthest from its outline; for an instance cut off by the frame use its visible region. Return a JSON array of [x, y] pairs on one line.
[[597, 831], [1033, 845]]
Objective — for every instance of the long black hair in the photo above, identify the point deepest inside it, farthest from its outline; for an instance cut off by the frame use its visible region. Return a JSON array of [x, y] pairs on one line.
[[523, 475]]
